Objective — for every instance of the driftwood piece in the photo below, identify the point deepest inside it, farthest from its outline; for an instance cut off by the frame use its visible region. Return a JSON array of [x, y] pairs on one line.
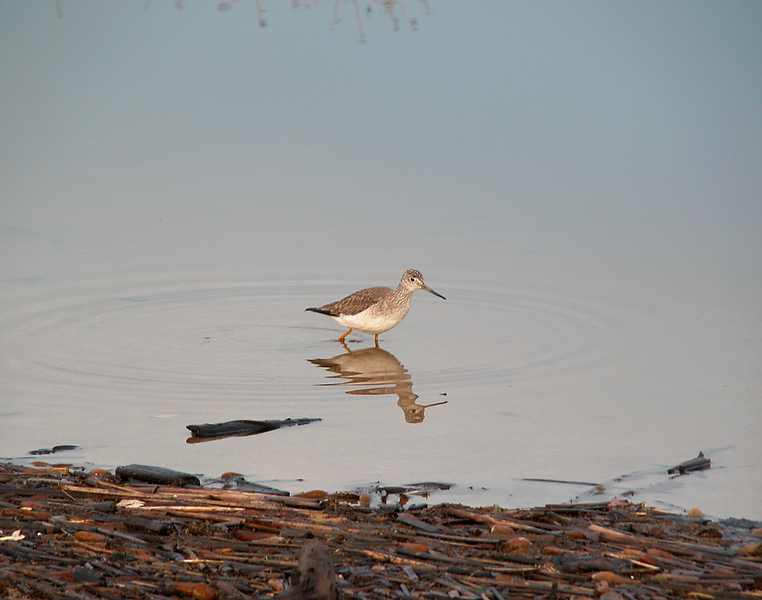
[[53, 450], [240, 428], [695, 464], [250, 486], [157, 475], [195, 496], [316, 577], [413, 521]]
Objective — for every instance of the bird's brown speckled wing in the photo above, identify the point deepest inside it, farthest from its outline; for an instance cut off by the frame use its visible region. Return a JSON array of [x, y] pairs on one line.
[[357, 302]]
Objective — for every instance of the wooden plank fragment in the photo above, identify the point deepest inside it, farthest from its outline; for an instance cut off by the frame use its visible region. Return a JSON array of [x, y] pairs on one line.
[[158, 475]]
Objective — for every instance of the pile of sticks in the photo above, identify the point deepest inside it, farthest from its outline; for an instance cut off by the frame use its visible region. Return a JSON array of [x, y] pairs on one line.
[[69, 534]]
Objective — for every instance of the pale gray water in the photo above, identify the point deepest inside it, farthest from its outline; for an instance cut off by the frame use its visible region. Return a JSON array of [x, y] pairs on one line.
[[581, 183]]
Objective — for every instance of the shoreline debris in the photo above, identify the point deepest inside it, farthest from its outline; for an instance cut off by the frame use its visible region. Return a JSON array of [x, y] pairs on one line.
[[67, 533], [157, 475]]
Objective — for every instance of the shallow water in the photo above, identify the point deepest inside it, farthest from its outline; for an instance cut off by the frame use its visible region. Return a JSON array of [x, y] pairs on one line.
[[483, 390], [159, 249]]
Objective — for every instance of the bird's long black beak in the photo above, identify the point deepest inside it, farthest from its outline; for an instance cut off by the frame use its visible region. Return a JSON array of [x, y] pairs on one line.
[[428, 289]]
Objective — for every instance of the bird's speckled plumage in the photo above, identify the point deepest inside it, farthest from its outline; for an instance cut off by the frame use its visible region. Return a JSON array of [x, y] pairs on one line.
[[377, 309]]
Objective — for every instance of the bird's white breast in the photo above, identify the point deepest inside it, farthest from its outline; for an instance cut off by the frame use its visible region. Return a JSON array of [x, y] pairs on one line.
[[373, 321]]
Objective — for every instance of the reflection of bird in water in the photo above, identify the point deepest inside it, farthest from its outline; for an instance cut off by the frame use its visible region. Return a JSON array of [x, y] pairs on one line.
[[377, 309], [381, 371]]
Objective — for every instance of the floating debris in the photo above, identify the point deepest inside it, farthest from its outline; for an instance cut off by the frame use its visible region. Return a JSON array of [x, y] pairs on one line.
[[695, 464], [564, 481], [53, 450], [239, 428]]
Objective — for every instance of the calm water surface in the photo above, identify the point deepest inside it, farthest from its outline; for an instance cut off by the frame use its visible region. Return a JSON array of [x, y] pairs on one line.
[[167, 215]]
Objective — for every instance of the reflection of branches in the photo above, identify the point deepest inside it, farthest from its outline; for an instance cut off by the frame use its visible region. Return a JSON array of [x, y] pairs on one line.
[[390, 7], [260, 18], [395, 10], [224, 5], [357, 17]]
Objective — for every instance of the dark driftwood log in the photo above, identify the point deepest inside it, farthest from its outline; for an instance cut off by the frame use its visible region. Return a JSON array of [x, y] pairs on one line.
[[250, 486], [240, 427], [413, 521], [157, 475], [150, 525], [695, 464], [53, 450]]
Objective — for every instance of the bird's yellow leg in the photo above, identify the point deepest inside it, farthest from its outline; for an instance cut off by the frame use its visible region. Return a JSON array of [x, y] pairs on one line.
[[341, 339]]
